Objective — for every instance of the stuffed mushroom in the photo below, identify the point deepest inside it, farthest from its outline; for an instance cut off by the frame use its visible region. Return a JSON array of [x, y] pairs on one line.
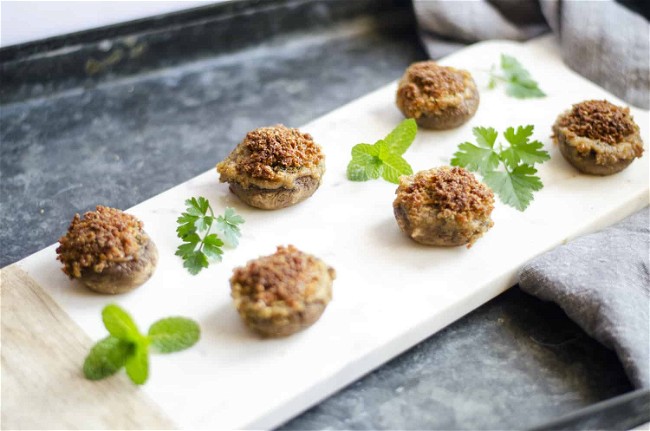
[[437, 97], [108, 251], [274, 167], [443, 207], [598, 137], [283, 293]]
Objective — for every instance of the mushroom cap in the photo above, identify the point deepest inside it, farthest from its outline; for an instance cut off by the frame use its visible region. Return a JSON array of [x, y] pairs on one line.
[[437, 97], [443, 207], [274, 167], [107, 250], [598, 137], [121, 277], [271, 199], [283, 293]]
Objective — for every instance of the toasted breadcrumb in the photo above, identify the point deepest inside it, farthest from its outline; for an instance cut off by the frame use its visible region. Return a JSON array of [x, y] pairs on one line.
[[287, 275], [599, 120], [268, 152], [102, 237], [427, 87], [455, 192]]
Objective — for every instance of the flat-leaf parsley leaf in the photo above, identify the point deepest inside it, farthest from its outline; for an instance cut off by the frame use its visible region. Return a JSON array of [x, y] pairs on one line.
[[200, 247], [519, 83], [516, 182], [383, 158]]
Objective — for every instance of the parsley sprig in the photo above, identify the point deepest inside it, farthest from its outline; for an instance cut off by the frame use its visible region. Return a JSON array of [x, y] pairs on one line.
[[200, 246], [519, 83], [516, 181], [127, 347], [384, 157]]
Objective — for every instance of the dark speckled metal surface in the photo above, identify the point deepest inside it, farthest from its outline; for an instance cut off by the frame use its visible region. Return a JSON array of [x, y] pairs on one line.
[[134, 130]]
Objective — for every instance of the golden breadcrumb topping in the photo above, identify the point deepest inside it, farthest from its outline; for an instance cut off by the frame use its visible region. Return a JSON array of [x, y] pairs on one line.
[[268, 151], [282, 276], [453, 191], [430, 79], [429, 89], [103, 236], [599, 120]]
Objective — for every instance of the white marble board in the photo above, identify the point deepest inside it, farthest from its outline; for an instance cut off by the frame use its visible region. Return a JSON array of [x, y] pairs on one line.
[[390, 292]]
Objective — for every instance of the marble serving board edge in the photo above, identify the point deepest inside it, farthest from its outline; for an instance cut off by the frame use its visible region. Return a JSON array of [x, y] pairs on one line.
[[232, 379]]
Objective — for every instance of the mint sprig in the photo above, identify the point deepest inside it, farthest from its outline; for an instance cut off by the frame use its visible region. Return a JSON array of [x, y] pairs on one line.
[[200, 246], [127, 347], [384, 157], [516, 181], [519, 82]]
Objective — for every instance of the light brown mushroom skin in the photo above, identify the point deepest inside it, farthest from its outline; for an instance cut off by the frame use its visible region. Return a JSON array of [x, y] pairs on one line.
[[428, 229], [452, 116], [445, 207], [295, 322], [272, 199], [121, 277], [282, 316], [586, 162]]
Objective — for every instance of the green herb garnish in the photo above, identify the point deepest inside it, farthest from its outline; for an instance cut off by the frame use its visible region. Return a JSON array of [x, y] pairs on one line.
[[519, 82], [127, 347], [516, 182], [200, 247], [384, 158]]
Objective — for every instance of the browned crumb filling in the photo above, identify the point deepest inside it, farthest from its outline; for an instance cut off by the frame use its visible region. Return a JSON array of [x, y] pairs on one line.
[[429, 89], [103, 236], [434, 80], [270, 149], [599, 120], [455, 192], [281, 276]]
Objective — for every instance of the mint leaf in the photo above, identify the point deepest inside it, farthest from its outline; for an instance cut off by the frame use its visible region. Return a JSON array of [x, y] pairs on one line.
[[517, 181], [384, 158], [174, 334], [515, 188], [137, 364], [361, 150], [106, 357], [365, 163], [400, 139], [356, 171], [519, 82], [393, 164], [119, 324], [394, 167]]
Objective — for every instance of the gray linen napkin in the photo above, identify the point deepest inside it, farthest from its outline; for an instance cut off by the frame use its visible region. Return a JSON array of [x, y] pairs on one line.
[[602, 282], [604, 41]]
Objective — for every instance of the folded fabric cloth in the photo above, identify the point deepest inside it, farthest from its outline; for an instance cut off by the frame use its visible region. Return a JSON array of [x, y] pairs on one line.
[[605, 41], [602, 282]]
